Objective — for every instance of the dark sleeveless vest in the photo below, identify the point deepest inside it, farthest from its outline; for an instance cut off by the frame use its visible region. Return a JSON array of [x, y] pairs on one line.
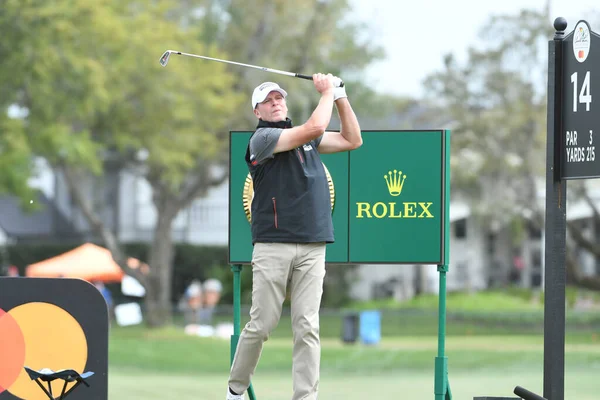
[[291, 195]]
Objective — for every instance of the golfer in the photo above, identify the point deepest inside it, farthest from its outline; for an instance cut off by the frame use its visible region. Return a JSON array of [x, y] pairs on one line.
[[291, 225]]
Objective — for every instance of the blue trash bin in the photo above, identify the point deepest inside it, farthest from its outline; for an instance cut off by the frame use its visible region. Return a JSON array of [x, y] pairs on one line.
[[370, 327]]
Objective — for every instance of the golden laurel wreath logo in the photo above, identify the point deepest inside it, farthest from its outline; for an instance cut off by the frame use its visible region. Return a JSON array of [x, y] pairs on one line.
[[248, 193]]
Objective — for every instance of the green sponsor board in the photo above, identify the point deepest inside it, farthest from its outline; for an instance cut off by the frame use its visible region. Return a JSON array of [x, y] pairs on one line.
[[396, 198], [240, 238], [388, 199]]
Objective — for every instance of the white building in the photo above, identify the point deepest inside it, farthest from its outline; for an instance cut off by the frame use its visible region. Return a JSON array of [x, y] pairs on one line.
[[478, 259]]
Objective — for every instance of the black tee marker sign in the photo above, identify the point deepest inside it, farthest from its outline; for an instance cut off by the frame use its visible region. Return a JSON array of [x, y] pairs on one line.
[[580, 132]]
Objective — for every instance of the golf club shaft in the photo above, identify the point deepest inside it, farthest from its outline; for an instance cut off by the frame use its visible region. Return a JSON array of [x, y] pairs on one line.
[[164, 61], [245, 65]]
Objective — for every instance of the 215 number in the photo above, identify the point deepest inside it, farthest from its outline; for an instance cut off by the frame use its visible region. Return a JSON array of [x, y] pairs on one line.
[[591, 153], [584, 95]]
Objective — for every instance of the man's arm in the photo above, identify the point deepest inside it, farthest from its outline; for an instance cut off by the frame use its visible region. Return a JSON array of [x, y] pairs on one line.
[[349, 137], [311, 129]]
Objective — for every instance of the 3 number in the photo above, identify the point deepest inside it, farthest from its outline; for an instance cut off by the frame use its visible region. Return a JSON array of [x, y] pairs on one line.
[[585, 96]]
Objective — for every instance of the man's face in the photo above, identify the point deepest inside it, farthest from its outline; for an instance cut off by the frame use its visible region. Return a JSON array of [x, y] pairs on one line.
[[273, 109]]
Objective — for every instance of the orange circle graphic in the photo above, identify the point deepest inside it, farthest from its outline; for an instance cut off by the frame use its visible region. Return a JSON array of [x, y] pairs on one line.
[[12, 350], [51, 338]]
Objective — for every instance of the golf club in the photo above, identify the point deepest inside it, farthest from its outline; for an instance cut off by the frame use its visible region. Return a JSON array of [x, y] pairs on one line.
[[165, 59]]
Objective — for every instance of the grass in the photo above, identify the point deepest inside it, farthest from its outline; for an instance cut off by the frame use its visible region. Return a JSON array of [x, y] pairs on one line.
[[146, 364], [580, 384], [169, 350], [512, 299], [166, 361], [494, 342], [509, 299]]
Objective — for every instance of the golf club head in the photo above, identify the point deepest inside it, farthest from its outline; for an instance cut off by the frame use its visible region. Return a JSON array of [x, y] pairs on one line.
[[165, 58]]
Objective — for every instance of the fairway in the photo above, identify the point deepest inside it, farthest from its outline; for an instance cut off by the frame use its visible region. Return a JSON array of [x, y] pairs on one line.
[[167, 364], [581, 384]]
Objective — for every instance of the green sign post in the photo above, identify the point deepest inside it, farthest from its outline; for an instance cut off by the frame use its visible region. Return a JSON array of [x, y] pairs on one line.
[[390, 205]]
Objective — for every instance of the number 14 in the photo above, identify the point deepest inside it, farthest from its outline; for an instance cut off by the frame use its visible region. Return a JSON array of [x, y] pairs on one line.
[[584, 95]]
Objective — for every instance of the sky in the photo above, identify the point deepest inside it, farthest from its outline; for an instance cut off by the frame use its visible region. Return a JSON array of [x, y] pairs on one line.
[[415, 34]]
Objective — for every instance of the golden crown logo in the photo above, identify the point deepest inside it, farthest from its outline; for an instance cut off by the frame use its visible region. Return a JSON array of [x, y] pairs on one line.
[[395, 181]]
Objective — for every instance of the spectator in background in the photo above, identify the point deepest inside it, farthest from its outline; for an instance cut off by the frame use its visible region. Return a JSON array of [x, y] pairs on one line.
[[517, 268], [193, 302], [13, 271], [107, 297], [212, 289]]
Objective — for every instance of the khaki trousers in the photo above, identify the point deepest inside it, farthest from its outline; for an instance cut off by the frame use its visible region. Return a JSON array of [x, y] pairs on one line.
[[274, 266]]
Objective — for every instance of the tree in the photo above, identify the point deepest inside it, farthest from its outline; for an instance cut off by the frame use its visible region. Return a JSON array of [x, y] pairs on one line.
[[15, 159], [305, 36], [88, 74], [497, 101], [89, 77]]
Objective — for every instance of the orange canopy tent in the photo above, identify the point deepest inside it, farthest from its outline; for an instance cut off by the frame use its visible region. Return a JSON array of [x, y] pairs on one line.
[[88, 261]]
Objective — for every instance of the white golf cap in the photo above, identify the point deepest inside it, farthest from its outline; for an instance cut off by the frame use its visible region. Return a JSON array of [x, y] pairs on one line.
[[212, 285], [262, 91]]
